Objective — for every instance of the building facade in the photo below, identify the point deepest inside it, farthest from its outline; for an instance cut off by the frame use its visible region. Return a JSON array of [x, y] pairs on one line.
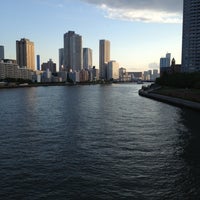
[[38, 62], [191, 36], [50, 65], [123, 75], [73, 56], [155, 74], [94, 74], [10, 69], [87, 58], [84, 75], [1, 52], [113, 70], [165, 63], [104, 58], [168, 59], [61, 59], [25, 53]]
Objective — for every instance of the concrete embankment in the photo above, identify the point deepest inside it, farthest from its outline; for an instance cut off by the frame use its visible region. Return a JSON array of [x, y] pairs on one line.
[[170, 100]]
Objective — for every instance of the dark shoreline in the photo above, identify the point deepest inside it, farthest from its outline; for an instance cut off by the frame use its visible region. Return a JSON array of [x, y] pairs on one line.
[[183, 103], [29, 85], [14, 85], [46, 85]]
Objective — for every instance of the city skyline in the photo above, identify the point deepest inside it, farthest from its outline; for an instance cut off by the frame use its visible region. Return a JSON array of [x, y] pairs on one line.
[[137, 42]]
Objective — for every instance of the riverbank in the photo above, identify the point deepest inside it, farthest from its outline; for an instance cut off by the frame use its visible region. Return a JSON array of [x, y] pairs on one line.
[[15, 85], [178, 97]]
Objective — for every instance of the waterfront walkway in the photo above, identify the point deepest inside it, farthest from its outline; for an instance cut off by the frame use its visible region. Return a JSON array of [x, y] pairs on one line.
[[149, 93]]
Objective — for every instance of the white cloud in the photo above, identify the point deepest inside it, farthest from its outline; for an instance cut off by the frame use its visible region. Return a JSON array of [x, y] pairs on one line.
[[161, 11], [141, 15]]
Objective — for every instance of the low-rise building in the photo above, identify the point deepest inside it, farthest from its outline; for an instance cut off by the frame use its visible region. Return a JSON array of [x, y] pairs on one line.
[[84, 75], [63, 76], [135, 76], [74, 76], [123, 75], [9, 69], [95, 74]]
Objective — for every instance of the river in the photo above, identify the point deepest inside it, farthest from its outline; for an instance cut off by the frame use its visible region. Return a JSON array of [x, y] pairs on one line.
[[96, 142]]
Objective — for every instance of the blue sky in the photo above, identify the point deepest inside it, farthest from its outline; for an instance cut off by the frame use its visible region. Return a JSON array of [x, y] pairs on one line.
[[140, 31]]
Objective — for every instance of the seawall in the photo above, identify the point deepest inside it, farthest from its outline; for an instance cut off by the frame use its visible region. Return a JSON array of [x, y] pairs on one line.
[[170, 100]]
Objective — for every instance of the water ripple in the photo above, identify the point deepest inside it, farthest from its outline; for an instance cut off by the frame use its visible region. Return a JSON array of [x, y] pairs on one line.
[[96, 142]]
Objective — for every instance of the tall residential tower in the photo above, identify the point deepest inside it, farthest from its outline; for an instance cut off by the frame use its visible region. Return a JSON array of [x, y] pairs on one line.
[[191, 36], [87, 58], [25, 53], [104, 57], [1, 52], [61, 59], [73, 58], [38, 62]]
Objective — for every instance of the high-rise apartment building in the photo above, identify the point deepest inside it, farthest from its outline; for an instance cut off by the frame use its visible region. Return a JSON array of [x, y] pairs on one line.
[[104, 57], [113, 70], [25, 53], [1, 52], [87, 58], [61, 59], [73, 56], [38, 62], [191, 36], [168, 59], [165, 61]]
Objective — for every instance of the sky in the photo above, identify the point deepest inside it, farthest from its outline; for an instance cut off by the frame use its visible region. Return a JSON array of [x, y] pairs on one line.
[[140, 31]]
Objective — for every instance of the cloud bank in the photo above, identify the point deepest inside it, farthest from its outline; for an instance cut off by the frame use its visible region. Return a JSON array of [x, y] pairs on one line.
[[162, 11]]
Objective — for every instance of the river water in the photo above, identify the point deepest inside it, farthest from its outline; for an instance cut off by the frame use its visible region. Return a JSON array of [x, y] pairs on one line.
[[96, 142]]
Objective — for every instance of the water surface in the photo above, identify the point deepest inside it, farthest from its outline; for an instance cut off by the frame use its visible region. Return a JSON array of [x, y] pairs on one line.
[[96, 142]]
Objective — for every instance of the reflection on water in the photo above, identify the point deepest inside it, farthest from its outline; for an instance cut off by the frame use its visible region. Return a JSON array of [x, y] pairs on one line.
[[96, 142]]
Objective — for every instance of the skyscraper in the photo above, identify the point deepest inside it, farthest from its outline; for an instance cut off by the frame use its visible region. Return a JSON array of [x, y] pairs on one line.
[[25, 53], [191, 36], [87, 58], [1, 52], [113, 70], [165, 61], [104, 57], [168, 59], [73, 57], [38, 62], [61, 59]]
